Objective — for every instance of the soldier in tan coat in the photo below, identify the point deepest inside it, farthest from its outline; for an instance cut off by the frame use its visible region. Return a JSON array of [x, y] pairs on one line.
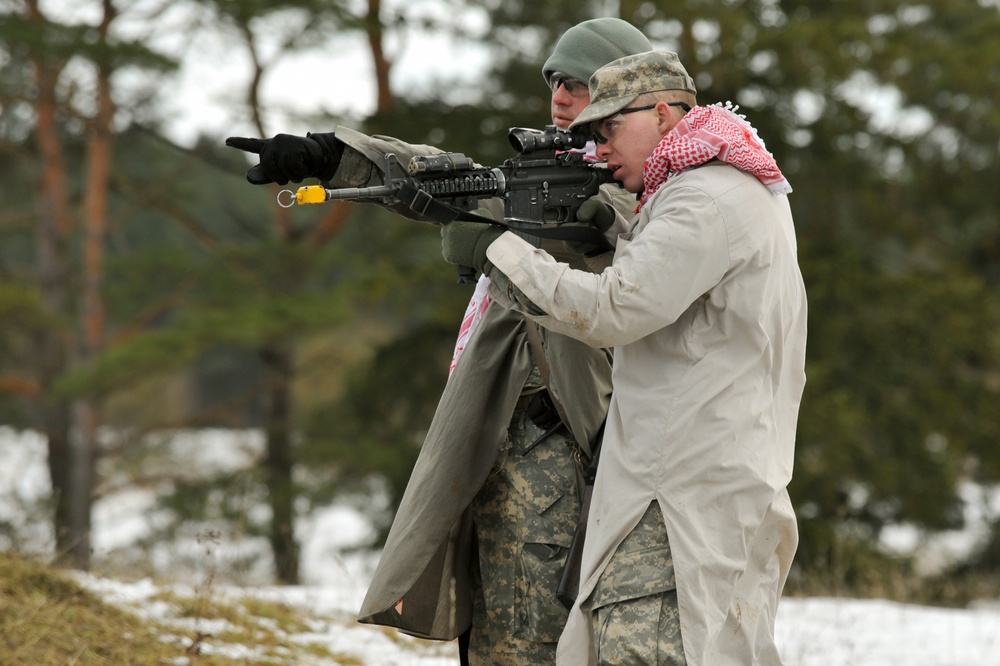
[[691, 531]]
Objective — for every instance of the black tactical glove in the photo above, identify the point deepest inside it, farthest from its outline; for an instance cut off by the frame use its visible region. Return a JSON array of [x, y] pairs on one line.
[[465, 243], [286, 157], [592, 213]]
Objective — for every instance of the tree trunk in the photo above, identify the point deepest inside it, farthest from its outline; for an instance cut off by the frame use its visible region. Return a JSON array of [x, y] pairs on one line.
[[54, 420], [384, 99], [53, 417], [278, 463], [278, 357], [87, 410]]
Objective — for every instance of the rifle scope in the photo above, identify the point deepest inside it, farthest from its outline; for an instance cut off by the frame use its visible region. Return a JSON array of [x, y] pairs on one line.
[[526, 140]]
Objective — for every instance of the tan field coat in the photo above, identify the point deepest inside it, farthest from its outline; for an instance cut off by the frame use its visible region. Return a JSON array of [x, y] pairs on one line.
[[425, 562], [706, 310]]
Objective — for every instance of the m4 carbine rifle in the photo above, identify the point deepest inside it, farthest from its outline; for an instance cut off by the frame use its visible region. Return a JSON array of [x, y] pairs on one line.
[[542, 188]]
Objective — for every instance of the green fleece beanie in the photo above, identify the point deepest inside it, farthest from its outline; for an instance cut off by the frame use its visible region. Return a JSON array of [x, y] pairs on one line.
[[588, 46]]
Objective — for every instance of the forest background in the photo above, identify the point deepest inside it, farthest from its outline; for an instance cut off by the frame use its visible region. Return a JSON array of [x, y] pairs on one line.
[[148, 290]]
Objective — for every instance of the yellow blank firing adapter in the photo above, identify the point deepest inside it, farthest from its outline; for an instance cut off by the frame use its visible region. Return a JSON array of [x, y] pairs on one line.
[[311, 194]]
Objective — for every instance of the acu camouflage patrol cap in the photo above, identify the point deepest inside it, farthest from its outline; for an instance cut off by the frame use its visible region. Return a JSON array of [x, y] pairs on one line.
[[620, 82]]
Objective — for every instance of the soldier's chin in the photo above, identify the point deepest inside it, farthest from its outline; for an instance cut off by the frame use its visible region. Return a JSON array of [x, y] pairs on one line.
[[561, 122]]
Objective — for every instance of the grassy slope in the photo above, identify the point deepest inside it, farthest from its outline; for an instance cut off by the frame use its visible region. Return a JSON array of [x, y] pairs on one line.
[[46, 617], [51, 617]]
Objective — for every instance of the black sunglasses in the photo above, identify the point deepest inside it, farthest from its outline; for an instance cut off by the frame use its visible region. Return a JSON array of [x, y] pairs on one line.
[[600, 138], [573, 86]]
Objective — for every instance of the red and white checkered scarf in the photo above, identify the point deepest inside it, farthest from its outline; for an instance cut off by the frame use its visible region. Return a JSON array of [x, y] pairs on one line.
[[708, 132]]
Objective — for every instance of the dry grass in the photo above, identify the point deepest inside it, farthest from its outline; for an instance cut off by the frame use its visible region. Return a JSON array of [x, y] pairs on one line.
[[48, 618]]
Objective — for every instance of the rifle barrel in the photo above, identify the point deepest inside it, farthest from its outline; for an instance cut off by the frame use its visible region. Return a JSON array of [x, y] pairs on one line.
[[376, 192]]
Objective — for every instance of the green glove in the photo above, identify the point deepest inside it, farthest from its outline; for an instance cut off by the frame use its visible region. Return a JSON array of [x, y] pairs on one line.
[[592, 213], [465, 243]]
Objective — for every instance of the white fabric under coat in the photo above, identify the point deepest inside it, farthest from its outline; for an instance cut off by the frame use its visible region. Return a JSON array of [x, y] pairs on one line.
[[705, 307]]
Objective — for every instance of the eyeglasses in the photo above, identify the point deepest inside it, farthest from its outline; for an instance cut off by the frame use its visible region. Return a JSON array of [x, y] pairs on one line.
[[604, 130], [574, 87]]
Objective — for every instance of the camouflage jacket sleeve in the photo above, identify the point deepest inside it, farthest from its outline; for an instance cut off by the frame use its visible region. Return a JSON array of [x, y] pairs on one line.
[[363, 164]]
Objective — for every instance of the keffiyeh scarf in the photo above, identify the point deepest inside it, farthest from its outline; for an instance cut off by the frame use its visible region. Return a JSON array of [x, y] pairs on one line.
[[473, 315], [708, 132]]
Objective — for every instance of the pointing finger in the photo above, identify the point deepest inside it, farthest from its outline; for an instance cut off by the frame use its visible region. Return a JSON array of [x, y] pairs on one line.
[[245, 143]]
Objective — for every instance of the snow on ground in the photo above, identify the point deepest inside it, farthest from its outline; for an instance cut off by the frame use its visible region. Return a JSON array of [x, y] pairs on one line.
[[850, 632], [332, 610], [809, 632]]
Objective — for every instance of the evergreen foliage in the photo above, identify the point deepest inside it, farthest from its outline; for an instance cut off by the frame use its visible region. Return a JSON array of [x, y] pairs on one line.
[[885, 117]]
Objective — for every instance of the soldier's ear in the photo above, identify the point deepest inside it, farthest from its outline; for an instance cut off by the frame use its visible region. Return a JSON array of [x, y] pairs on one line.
[[666, 119]]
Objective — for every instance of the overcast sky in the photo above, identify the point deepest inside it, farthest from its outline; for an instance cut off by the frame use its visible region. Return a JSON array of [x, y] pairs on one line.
[[206, 94], [337, 78]]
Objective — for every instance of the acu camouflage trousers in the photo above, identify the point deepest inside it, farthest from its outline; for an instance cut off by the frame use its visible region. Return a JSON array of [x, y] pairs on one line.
[[634, 609], [525, 517]]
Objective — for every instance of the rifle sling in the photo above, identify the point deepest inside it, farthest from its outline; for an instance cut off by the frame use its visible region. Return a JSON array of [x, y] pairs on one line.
[[538, 352], [563, 232]]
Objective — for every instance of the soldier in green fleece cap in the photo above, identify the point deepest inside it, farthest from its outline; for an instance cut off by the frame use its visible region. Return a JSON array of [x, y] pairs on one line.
[[482, 533], [588, 46]]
